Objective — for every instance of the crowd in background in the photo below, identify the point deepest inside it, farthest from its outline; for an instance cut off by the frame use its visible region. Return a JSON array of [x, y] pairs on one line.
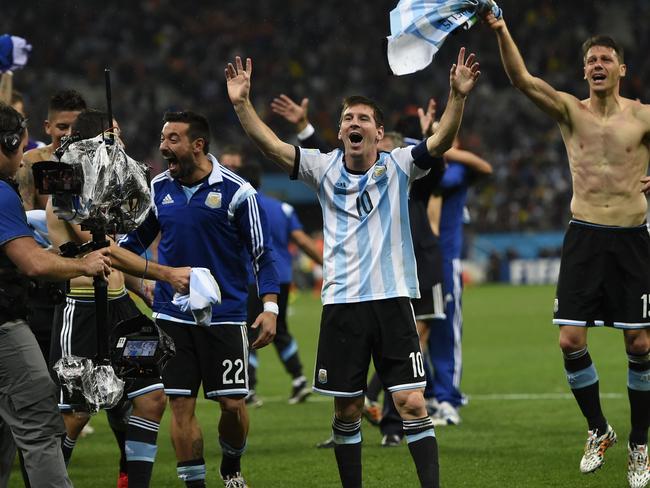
[[170, 55]]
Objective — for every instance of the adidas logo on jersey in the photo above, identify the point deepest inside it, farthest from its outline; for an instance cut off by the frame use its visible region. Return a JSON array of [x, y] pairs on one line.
[[167, 200]]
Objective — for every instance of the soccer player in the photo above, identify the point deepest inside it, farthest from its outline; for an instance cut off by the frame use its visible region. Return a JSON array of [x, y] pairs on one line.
[[285, 228], [369, 273], [207, 217], [63, 109], [27, 400], [75, 334], [604, 277]]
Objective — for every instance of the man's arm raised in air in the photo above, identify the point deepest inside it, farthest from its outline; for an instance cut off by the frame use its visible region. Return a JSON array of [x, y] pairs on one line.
[[462, 78], [238, 80], [547, 98]]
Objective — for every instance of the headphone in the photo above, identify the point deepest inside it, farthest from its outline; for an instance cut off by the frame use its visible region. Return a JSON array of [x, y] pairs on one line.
[[10, 139]]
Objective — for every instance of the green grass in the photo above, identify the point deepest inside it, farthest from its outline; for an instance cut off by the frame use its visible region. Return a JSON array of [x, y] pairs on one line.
[[505, 440]]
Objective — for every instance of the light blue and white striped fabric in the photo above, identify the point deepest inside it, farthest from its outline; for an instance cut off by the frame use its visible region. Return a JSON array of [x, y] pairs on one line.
[[419, 27]]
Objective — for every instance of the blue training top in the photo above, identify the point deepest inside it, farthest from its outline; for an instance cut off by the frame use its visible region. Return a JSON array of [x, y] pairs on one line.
[[283, 221], [219, 226]]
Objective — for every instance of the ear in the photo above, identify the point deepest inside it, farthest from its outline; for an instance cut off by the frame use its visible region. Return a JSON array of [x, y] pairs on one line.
[[197, 145], [380, 133], [584, 73], [46, 126], [339, 136], [622, 70]]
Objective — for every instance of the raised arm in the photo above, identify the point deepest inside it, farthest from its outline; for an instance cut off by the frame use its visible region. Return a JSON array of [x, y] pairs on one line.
[[239, 84], [6, 87], [541, 93], [462, 78]]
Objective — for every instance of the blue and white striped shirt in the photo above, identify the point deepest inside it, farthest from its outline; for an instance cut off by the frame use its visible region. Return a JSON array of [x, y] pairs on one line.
[[368, 250]]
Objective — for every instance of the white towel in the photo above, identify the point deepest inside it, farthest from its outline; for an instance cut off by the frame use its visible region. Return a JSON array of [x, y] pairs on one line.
[[419, 27], [204, 292]]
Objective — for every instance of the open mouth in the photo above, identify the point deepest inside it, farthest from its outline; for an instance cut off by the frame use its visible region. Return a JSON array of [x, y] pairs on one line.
[[599, 77], [356, 138]]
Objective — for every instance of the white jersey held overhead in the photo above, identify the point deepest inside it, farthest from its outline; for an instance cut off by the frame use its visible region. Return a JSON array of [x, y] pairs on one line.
[[418, 29]]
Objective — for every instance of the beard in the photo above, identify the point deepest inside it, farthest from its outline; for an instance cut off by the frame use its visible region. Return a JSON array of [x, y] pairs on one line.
[[180, 167]]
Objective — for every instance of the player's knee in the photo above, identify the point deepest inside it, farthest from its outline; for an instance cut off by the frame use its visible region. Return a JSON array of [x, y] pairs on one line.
[[182, 409], [637, 344], [151, 406], [409, 403], [231, 405], [74, 422], [571, 343], [348, 409]]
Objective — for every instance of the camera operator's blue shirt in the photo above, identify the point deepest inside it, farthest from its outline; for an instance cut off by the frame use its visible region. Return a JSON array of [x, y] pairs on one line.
[[221, 227], [13, 223]]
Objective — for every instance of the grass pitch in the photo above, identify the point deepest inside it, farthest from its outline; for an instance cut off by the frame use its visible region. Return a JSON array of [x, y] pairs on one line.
[[521, 428]]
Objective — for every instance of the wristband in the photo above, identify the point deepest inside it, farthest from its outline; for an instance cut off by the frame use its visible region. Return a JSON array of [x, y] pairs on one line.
[[271, 307]]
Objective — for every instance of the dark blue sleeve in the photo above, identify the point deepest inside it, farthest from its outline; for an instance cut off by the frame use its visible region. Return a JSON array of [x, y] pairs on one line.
[[254, 230], [422, 158], [13, 223], [456, 174], [138, 240]]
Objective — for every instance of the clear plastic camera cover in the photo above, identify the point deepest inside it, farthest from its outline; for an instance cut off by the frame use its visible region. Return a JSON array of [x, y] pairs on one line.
[[99, 385], [115, 190]]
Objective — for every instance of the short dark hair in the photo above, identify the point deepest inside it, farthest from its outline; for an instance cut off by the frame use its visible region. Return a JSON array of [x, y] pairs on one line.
[[601, 40], [90, 123], [10, 119], [67, 101], [361, 100], [199, 128], [251, 172]]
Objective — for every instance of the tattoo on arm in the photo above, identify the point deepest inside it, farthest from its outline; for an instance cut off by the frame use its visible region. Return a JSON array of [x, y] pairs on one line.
[[25, 180]]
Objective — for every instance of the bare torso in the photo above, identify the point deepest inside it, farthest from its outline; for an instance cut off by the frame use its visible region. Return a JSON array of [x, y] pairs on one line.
[[61, 232], [608, 156]]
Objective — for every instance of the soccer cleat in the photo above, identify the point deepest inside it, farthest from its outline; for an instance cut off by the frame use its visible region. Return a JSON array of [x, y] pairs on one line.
[[123, 480], [446, 414], [638, 465], [372, 411], [595, 448], [87, 430], [326, 444], [252, 400], [391, 440], [299, 392], [234, 481]]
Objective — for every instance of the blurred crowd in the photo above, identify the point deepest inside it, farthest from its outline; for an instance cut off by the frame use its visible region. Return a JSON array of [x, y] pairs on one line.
[[171, 55]]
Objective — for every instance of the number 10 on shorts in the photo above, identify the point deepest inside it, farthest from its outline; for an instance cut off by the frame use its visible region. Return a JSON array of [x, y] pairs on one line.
[[418, 364], [646, 304]]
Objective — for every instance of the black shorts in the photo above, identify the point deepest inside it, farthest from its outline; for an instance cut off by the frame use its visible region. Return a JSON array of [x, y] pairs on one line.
[[350, 333], [74, 333], [216, 357], [604, 277]]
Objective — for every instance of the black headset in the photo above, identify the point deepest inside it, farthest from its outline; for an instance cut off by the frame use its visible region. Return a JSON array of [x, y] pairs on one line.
[[10, 139]]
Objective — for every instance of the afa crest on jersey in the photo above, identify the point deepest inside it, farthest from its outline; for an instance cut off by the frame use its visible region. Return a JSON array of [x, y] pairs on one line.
[[322, 376], [379, 171], [213, 200]]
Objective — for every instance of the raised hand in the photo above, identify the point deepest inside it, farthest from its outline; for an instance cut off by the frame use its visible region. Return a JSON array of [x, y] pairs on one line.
[[491, 20], [464, 73], [427, 118], [291, 111], [238, 80]]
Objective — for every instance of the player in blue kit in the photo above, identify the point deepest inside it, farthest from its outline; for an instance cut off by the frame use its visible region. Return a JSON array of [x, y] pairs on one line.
[[369, 274], [208, 217]]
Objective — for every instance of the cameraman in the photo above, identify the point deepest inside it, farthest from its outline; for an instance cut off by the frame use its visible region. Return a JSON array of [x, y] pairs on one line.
[[27, 393], [76, 335]]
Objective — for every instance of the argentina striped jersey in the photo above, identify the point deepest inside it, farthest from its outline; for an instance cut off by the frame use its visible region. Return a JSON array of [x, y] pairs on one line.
[[368, 250]]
